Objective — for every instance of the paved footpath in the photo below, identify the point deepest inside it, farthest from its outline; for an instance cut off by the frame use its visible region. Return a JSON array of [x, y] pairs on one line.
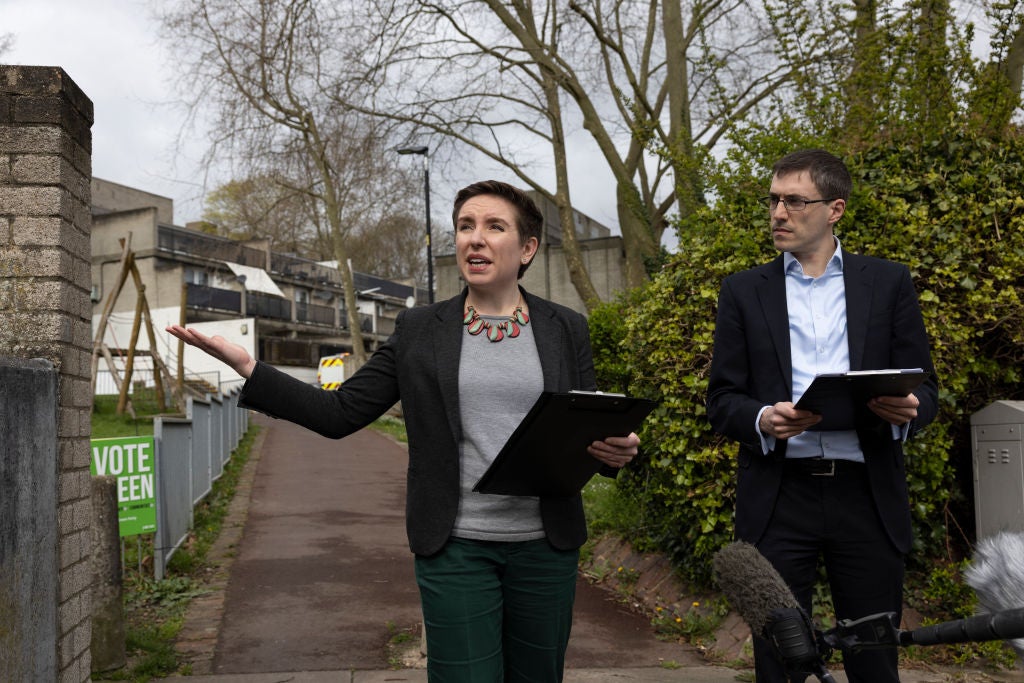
[[314, 583]]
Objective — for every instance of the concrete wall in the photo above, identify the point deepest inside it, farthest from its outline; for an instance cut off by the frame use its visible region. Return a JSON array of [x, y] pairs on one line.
[[45, 256], [548, 275], [108, 229], [109, 196], [603, 258], [162, 279], [28, 520]]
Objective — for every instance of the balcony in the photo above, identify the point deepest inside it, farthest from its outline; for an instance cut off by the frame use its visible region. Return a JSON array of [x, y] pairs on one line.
[[258, 305], [192, 243], [199, 296], [314, 314]]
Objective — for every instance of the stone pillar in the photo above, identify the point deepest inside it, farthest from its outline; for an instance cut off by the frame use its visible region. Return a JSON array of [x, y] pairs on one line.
[[108, 630], [45, 279]]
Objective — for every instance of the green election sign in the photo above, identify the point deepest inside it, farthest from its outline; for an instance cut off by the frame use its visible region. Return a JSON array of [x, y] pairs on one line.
[[132, 460]]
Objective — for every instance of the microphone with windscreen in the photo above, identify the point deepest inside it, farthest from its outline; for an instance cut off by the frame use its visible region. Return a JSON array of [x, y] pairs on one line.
[[761, 597], [997, 576], [757, 592]]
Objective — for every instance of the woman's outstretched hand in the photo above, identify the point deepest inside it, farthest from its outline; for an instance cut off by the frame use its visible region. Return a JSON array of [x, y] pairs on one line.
[[217, 346]]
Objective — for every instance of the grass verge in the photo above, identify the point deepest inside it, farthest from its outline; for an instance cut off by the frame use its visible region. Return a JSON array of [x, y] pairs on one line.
[[936, 595], [106, 423]]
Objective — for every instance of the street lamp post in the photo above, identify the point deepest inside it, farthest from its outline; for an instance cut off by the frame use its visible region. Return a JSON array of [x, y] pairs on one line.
[[426, 190]]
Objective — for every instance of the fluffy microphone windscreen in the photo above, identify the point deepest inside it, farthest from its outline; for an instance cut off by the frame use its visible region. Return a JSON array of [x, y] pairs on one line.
[[752, 585], [996, 574]]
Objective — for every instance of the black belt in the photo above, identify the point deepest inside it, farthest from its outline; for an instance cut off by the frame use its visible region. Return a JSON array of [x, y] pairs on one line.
[[823, 467]]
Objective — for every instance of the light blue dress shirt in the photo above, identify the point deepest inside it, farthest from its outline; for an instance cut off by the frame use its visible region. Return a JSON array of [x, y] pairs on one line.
[[819, 343]]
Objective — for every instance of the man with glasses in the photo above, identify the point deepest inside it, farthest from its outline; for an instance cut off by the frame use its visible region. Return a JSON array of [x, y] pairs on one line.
[[802, 493]]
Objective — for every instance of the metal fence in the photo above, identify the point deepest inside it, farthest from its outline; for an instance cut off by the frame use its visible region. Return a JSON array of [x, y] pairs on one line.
[[190, 455]]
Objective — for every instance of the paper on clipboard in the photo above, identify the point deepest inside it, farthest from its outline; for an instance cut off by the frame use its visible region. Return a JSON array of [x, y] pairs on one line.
[[841, 397], [547, 453]]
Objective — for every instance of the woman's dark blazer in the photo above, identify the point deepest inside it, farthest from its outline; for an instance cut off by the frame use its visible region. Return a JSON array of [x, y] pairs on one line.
[[419, 365]]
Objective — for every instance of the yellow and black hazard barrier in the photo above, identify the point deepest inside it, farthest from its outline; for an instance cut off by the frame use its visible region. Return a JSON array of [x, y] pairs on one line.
[[331, 372]]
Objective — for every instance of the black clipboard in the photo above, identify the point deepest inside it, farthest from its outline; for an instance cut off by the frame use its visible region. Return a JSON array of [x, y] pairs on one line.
[[547, 453], [841, 397]]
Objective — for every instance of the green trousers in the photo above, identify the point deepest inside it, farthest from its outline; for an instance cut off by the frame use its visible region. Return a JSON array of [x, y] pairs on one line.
[[497, 612]]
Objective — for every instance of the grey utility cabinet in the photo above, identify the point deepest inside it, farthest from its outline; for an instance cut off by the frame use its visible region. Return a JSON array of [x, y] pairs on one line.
[[996, 439]]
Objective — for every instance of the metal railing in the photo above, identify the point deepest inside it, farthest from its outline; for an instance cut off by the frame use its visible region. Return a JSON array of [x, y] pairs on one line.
[[190, 455], [143, 377], [314, 313], [189, 242], [259, 305], [202, 296]]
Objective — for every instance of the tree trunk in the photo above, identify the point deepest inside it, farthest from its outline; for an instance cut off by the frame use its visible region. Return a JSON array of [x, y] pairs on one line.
[[685, 165], [860, 108], [1013, 65], [570, 245], [637, 238], [332, 207]]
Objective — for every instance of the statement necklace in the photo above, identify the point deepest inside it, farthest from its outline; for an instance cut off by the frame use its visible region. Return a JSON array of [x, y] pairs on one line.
[[496, 331]]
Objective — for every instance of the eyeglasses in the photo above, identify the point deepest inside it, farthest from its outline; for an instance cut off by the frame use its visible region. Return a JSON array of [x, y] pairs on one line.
[[791, 203]]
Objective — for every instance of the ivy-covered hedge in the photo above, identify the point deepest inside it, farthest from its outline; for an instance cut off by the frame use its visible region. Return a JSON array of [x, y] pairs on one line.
[[952, 211]]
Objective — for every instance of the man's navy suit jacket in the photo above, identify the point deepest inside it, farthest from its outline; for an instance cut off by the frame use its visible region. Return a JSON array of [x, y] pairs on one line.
[[419, 365], [752, 368]]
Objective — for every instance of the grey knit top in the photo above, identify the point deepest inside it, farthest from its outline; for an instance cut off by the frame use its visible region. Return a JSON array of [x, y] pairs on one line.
[[498, 384]]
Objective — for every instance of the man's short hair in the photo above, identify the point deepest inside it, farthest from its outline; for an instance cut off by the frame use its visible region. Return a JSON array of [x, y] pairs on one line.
[[529, 220], [828, 173]]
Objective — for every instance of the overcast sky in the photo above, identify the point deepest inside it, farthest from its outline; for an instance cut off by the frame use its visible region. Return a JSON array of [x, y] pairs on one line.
[[110, 49]]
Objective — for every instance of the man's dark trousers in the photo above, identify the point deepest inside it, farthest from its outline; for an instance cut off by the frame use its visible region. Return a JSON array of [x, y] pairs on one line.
[[835, 518]]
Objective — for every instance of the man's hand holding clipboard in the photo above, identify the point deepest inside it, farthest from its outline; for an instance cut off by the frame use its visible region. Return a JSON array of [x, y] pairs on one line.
[[845, 400]]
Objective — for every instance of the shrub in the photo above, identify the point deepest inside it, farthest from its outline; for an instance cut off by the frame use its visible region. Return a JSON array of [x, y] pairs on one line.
[[948, 209]]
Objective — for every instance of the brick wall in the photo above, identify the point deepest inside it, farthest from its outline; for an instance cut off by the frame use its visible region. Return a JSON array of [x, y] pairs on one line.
[[45, 172]]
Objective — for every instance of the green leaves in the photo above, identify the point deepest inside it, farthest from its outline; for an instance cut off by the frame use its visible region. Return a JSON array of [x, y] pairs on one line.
[[947, 210]]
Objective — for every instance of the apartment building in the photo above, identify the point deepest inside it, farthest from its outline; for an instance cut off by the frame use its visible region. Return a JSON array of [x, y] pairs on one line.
[[288, 311]]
